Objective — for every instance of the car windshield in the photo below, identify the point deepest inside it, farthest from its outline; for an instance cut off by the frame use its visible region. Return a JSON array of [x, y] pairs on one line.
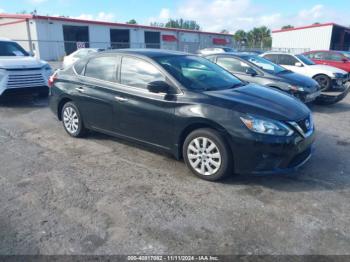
[[265, 64], [196, 73], [305, 60], [11, 49]]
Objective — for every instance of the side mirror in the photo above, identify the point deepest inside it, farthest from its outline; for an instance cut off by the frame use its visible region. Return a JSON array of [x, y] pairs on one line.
[[298, 64], [158, 87], [31, 53], [251, 71], [345, 60]]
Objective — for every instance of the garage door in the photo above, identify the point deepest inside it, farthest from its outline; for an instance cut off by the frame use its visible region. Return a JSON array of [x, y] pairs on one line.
[[152, 39], [75, 37], [120, 38]]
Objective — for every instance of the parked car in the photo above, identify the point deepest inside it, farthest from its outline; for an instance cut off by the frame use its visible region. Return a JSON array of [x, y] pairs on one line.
[[338, 59], [255, 69], [327, 76], [20, 72], [80, 53], [215, 50], [187, 106]]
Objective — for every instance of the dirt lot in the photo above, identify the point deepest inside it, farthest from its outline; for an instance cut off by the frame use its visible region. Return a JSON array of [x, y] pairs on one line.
[[99, 195]]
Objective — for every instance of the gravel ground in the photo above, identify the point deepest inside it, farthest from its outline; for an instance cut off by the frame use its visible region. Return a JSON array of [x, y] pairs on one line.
[[100, 195]]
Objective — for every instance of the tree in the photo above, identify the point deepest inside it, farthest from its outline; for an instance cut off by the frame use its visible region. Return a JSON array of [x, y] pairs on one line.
[[257, 37], [240, 37], [224, 31], [182, 24], [132, 22], [287, 27]]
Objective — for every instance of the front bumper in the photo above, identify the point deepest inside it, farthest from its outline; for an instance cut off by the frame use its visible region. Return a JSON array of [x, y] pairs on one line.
[[264, 155], [24, 80]]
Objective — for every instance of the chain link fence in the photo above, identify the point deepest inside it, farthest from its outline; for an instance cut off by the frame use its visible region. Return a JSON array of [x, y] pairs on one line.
[[56, 50]]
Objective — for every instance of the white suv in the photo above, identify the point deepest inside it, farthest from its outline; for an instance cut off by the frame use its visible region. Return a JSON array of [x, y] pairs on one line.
[[21, 72], [326, 76]]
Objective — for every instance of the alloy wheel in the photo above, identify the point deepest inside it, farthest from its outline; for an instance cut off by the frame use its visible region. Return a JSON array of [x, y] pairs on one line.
[[71, 120], [204, 156]]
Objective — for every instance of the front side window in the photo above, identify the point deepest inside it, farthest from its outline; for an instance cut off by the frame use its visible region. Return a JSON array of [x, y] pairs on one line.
[[103, 68], [139, 73], [287, 60], [319, 56], [11, 49], [265, 64], [232, 64], [334, 57], [197, 73]]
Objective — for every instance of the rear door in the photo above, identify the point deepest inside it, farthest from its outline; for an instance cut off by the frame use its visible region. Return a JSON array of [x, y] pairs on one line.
[[95, 95], [140, 114], [336, 60]]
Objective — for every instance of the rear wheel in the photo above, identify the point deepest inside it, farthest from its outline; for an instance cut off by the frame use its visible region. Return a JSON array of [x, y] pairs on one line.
[[324, 81], [72, 121], [207, 154]]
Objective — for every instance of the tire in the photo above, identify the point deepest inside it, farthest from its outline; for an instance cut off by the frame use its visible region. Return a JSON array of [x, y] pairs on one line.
[[72, 120], [212, 165], [324, 81]]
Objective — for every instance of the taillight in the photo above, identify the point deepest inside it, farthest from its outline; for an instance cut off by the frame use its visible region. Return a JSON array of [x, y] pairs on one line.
[[52, 80]]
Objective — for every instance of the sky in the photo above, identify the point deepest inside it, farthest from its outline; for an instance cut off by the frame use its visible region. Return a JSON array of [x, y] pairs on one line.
[[212, 15]]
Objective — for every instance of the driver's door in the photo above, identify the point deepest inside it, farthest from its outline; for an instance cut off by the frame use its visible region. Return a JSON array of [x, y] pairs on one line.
[[140, 114]]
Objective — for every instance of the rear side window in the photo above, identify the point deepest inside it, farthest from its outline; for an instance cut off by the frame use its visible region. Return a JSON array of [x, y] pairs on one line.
[[287, 60], [319, 56], [79, 66], [139, 73], [103, 68], [272, 58], [232, 64]]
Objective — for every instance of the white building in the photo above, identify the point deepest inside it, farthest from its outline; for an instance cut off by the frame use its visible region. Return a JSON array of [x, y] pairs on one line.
[[50, 38], [328, 36]]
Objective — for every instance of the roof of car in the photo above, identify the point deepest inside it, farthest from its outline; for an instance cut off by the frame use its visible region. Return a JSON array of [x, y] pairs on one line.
[[238, 54], [5, 39], [146, 52]]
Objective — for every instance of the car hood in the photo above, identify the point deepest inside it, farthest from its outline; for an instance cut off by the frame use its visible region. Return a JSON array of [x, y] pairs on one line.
[[263, 101], [22, 62], [327, 69], [298, 79]]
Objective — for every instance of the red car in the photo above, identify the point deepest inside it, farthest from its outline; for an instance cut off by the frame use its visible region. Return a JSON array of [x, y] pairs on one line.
[[339, 59]]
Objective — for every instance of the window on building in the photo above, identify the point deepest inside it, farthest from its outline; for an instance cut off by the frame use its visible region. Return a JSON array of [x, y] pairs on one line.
[[139, 73], [287, 60], [103, 68], [232, 64]]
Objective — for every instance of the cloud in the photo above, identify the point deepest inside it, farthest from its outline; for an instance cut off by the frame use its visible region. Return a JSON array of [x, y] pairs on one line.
[[2, 11], [101, 16], [216, 15]]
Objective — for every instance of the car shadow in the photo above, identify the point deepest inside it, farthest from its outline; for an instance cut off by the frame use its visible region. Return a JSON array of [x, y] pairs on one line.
[[23, 101], [331, 109]]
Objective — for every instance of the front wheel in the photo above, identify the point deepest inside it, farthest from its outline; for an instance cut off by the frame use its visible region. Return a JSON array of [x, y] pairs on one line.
[[207, 154], [72, 121], [324, 81]]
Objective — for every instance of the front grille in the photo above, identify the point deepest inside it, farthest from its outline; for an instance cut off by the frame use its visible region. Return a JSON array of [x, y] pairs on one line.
[[306, 124], [23, 79]]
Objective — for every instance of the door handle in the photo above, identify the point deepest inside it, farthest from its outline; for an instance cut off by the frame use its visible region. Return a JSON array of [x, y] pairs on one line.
[[80, 89], [120, 99]]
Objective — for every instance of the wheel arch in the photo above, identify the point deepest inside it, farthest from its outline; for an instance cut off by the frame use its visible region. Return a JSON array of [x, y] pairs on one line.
[[199, 124], [60, 105]]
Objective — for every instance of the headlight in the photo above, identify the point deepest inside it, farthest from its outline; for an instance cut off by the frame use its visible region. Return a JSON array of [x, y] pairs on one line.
[[266, 126], [338, 75], [296, 88], [47, 67]]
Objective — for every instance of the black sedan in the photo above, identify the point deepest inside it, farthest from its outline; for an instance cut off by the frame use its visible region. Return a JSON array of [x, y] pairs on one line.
[[258, 70], [187, 106]]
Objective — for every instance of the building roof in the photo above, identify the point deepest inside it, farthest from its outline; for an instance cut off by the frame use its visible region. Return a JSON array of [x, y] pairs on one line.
[[73, 20], [307, 27]]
